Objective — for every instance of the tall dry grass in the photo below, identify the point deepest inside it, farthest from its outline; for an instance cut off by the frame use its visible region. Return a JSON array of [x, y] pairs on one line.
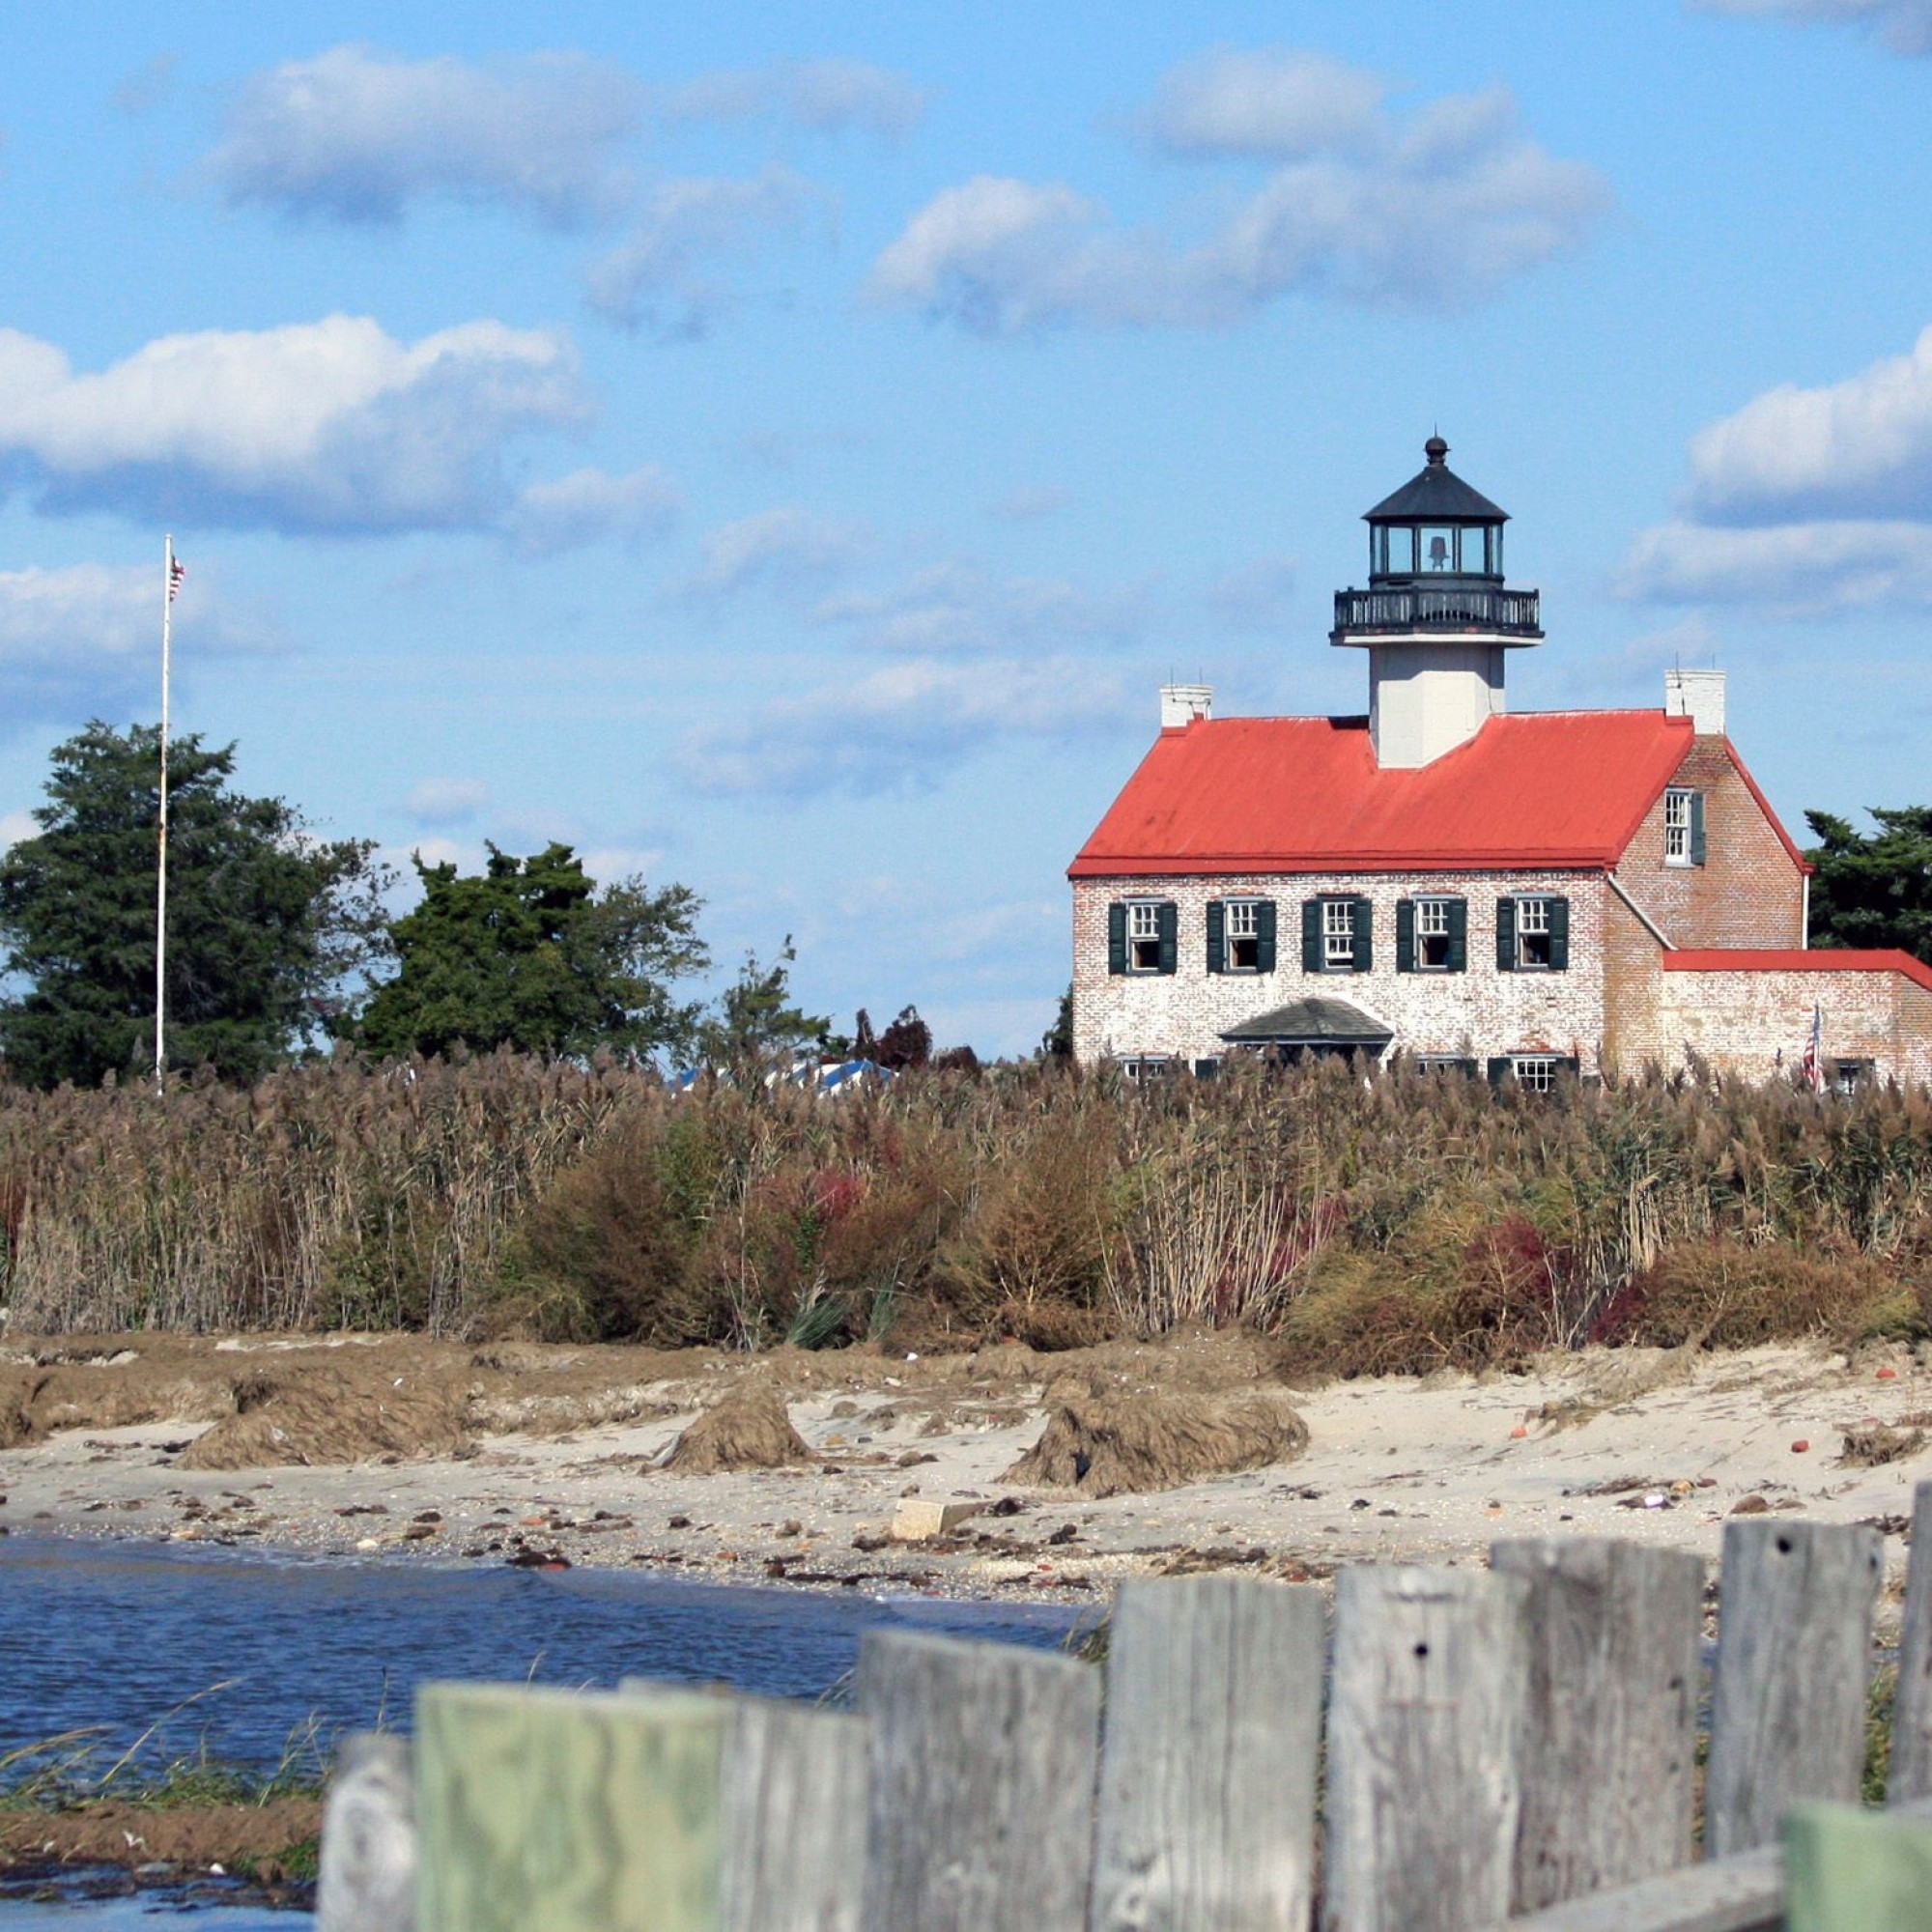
[[1399, 1224]]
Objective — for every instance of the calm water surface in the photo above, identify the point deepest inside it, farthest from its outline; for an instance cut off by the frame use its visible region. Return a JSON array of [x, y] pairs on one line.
[[117, 1636]]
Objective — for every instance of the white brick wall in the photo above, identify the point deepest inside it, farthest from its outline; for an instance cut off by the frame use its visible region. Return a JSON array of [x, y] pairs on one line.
[[1480, 1012], [1739, 1022]]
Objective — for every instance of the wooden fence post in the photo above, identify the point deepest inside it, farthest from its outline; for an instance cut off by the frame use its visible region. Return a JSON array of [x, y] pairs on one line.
[[1430, 1675], [543, 1810], [1609, 1737], [1213, 1715], [1793, 1659], [368, 1877], [1857, 1871], [982, 1763], [1912, 1712], [794, 1818]]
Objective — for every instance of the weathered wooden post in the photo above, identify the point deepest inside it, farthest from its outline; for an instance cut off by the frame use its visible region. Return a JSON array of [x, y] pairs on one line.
[[1213, 1715], [1911, 1773], [1609, 1736], [983, 1762], [794, 1815], [1431, 1678], [542, 1810], [368, 1877], [1857, 1871], [1794, 1657]]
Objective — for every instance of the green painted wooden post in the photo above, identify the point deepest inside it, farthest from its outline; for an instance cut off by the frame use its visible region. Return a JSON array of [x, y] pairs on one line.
[[544, 1810], [1855, 1871]]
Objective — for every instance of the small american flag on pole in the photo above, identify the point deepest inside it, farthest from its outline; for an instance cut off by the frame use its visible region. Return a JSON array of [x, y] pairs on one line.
[[1815, 1051], [176, 570]]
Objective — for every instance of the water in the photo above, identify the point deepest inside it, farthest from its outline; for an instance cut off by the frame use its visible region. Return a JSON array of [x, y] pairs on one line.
[[117, 1636]]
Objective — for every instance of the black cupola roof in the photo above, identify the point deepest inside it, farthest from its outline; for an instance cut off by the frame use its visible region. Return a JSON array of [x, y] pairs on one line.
[[1437, 494], [1436, 567]]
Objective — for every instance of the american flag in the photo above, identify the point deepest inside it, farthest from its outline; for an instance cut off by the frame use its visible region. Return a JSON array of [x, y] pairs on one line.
[[176, 570], [1815, 1051]]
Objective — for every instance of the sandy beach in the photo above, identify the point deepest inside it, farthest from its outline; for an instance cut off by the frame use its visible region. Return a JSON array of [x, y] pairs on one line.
[[402, 1450]]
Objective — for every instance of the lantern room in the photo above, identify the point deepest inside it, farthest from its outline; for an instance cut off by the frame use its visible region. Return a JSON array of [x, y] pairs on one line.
[[1435, 526]]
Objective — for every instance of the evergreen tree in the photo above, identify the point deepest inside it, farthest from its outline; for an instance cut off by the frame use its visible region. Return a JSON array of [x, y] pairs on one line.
[[1057, 1041], [1873, 890], [268, 928], [530, 954], [755, 1020]]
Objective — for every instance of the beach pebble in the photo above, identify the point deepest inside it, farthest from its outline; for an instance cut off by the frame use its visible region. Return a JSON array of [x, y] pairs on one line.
[[1798, 1447]]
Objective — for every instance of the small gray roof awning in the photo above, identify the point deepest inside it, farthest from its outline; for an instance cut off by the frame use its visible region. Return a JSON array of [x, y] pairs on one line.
[[1320, 1020]]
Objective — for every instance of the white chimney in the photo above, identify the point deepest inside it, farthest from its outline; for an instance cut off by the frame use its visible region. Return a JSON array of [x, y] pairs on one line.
[[1699, 696], [1181, 704]]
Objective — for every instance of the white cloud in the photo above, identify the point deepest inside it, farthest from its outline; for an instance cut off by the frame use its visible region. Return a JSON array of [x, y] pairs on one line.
[[902, 725], [448, 801], [1807, 500], [1435, 212], [16, 826], [652, 279], [1281, 104], [431, 852], [591, 507], [1030, 502], [324, 426], [826, 96], [781, 548], [86, 638], [358, 135], [960, 608], [1792, 569], [1858, 448], [1258, 595], [1906, 24], [608, 864]]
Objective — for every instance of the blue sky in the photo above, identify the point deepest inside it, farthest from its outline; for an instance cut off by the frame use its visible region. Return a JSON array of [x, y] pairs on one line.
[[783, 449]]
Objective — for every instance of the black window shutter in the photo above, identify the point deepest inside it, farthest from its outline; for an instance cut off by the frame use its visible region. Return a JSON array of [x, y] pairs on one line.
[[1559, 934], [1696, 828], [1170, 935], [1459, 938], [1265, 936], [1311, 935], [1364, 935], [1117, 939], [1499, 1069], [1217, 929], [1505, 937], [1405, 935]]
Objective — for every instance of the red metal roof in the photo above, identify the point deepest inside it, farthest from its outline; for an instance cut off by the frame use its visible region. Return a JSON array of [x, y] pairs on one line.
[[1819, 959], [1536, 789]]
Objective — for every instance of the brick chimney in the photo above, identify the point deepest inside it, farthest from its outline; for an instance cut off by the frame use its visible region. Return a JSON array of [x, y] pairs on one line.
[[1699, 696]]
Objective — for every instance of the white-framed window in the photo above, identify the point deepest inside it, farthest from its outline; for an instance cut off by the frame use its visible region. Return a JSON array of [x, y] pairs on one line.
[[1850, 1076], [1535, 1071], [1144, 1067], [1431, 935], [1142, 936], [1448, 1063], [1532, 935], [1242, 936], [1677, 846], [1338, 935]]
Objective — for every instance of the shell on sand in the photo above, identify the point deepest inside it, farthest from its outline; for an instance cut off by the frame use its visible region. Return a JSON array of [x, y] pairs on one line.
[[1115, 1445], [749, 1430]]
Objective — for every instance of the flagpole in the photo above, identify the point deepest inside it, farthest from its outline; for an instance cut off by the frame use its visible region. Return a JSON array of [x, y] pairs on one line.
[[161, 853]]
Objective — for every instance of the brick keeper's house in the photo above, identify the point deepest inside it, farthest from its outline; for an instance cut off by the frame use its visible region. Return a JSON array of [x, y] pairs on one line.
[[1510, 894]]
